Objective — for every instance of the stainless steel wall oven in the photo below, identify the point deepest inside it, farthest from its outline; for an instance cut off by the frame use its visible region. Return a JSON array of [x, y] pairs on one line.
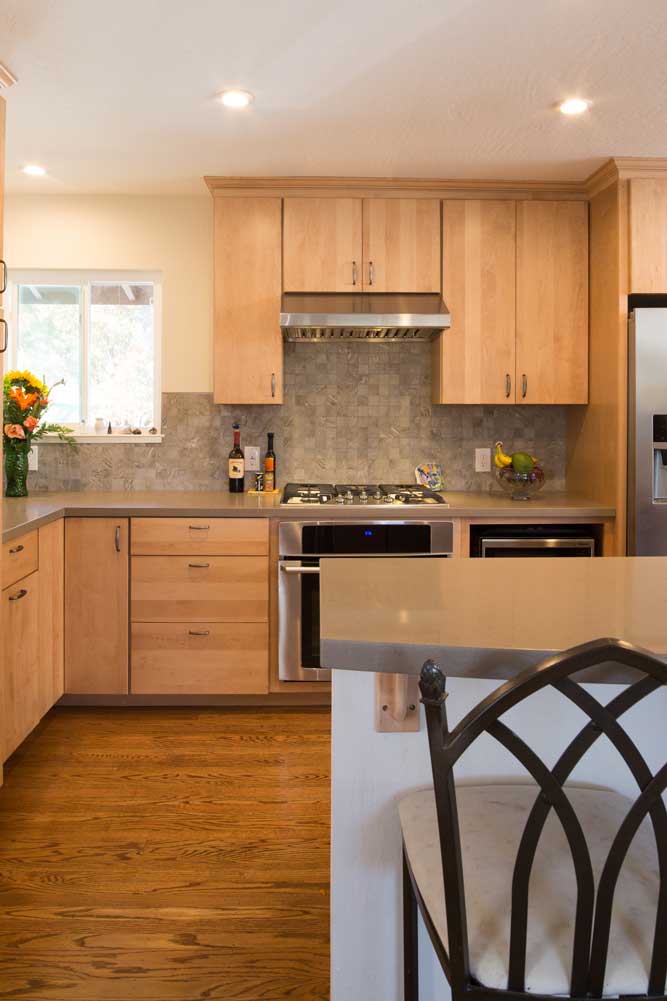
[[301, 546]]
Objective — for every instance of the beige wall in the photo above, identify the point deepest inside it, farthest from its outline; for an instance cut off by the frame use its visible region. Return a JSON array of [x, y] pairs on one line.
[[173, 235]]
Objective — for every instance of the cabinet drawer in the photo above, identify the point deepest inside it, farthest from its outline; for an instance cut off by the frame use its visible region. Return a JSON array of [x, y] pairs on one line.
[[19, 558], [200, 589], [200, 536], [22, 708], [200, 658]]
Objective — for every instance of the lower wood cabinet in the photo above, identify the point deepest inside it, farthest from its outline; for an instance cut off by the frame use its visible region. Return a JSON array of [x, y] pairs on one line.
[[200, 589], [176, 658], [22, 699], [96, 606]]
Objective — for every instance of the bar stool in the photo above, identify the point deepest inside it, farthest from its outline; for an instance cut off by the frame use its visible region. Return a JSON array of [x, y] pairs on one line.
[[561, 889]]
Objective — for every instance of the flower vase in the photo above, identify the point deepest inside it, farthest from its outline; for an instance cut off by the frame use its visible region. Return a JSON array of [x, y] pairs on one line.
[[16, 470]]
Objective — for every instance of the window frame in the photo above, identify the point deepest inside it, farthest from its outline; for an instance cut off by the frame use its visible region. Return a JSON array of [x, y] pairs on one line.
[[84, 278]]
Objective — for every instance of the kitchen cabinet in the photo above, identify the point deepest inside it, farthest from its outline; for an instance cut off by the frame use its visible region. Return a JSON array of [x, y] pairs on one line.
[[51, 613], [200, 536], [247, 289], [515, 279], [3, 345], [22, 702], [322, 244], [474, 361], [20, 557], [96, 606], [200, 589], [174, 658], [200, 606], [355, 244], [401, 245], [552, 302], [648, 235]]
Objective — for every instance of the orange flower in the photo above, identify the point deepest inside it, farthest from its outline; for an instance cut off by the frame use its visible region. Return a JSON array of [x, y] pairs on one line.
[[25, 401], [30, 423], [14, 431]]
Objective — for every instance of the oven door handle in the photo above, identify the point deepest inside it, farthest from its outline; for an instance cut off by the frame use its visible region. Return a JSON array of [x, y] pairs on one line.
[[292, 568]]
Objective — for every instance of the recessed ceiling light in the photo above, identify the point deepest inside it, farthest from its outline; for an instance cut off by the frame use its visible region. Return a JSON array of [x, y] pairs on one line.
[[236, 98], [34, 170], [574, 106]]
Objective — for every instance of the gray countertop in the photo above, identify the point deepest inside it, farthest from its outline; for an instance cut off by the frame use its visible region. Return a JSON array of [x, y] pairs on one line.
[[22, 515]]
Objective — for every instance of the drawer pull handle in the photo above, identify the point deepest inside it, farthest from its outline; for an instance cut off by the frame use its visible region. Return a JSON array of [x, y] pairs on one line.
[[16, 549], [198, 632], [19, 594], [199, 528], [199, 566], [117, 538]]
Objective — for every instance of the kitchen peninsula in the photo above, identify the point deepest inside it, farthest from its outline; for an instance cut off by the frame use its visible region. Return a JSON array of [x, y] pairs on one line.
[[479, 620]]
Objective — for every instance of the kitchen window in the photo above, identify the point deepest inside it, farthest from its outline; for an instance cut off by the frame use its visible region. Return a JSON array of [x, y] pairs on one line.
[[101, 333]]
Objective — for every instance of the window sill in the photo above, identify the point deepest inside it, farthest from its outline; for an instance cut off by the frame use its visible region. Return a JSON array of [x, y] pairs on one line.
[[85, 438]]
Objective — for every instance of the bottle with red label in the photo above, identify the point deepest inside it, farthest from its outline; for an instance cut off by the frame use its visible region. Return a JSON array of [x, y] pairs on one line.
[[236, 463], [270, 465]]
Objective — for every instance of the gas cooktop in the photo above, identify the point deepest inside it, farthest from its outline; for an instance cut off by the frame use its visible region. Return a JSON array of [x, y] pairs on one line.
[[375, 494]]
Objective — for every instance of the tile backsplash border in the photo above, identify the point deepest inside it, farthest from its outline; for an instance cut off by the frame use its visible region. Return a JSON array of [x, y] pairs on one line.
[[351, 411]]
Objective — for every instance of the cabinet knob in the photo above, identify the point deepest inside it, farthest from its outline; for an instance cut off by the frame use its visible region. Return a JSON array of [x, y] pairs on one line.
[[199, 566], [198, 632], [524, 385], [16, 549], [19, 594]]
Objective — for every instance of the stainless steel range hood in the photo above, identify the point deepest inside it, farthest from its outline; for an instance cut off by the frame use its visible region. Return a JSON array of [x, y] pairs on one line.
[[374, 316]]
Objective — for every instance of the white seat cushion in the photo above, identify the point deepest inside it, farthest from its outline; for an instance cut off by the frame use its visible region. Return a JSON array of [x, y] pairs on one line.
[[492, 819]]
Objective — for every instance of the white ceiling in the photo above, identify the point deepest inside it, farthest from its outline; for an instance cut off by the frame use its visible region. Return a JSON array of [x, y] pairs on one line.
[[120, 97]]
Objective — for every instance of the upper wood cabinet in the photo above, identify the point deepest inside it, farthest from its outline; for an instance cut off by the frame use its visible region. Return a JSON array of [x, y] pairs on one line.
[[96, 606], [248, 341], [552, 302], [473, 361], [354, 245], [401, 245], [648, 235], [322, 245]]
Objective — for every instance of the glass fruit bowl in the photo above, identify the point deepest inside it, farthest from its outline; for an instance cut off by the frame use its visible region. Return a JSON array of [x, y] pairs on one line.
[[521, 486]]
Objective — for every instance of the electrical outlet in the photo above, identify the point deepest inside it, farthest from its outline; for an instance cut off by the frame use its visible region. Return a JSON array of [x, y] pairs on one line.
[[482, 460], [251, 453], [33, 459]]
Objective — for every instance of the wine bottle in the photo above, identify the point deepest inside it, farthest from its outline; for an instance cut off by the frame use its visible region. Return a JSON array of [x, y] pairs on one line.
[[236, 463], [270, 465]]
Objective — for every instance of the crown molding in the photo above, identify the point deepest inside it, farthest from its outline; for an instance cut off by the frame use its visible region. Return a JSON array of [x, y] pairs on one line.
[[7, 78], [393, 187], [624, 168]]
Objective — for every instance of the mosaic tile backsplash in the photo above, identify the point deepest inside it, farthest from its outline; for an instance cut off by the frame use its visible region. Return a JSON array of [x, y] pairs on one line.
[[351, 412]]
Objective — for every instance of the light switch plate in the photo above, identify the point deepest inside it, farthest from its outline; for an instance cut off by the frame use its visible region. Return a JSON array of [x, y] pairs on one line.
[[33, 459], [482, 460], [251, 453]]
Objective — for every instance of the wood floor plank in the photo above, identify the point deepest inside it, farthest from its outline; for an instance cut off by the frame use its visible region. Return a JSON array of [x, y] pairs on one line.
[[167, 855]]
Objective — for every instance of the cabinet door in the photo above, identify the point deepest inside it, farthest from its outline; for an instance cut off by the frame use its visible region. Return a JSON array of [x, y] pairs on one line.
[[552, 302], [473, 361], [96, 606], [22, 709], [322, 245], [248, 341], [52, 613], [2, 181], [648, 235], [401, 245]]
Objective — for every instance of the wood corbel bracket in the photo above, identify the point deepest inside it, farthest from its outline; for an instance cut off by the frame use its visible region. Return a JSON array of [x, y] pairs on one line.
[[396, 703]]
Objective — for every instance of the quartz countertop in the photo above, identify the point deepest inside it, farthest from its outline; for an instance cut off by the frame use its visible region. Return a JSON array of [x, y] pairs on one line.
[[22, 515], [485, 618]]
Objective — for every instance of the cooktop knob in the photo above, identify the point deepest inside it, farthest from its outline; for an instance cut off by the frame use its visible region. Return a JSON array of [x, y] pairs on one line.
[[340, 499], [377, 496], [349, 499], [363, 497]]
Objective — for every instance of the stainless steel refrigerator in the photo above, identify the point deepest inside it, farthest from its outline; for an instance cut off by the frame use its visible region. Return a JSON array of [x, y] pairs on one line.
[[647, 432]]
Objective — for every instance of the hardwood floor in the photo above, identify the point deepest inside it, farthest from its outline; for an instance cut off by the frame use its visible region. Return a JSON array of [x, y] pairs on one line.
[[167, 855]]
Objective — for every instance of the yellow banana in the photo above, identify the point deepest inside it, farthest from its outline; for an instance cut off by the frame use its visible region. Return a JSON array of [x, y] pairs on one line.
[[500, 459]]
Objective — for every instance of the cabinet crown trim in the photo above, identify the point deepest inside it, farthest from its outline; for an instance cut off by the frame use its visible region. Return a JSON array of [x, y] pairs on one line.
[[394, 187]]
